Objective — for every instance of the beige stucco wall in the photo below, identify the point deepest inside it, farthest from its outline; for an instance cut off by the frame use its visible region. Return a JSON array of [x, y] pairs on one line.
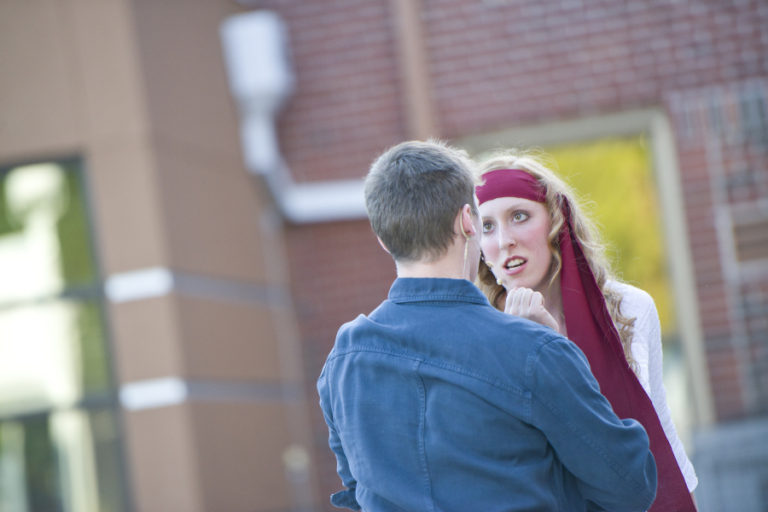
[[138, 90]]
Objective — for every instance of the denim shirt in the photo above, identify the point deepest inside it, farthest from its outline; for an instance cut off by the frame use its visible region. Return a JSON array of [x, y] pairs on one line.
[[436, 401]]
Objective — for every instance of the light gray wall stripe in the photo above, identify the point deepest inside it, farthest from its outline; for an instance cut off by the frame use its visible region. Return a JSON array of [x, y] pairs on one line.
[[169, 391], [154, 282]]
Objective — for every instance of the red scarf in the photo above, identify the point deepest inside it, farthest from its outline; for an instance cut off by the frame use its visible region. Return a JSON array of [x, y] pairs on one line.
[[590, 326]]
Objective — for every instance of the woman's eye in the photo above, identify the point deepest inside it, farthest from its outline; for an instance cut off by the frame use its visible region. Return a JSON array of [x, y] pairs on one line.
[[487, 226], [520, 216]]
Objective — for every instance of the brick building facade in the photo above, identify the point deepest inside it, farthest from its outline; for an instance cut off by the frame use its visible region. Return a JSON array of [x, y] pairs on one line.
[[487, 66], [192, 387]]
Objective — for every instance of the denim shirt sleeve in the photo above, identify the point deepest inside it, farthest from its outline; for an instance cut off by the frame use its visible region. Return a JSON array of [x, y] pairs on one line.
[[609, 457], [345, 498]]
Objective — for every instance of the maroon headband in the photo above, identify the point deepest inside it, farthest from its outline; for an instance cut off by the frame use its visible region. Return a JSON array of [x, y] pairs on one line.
[[510, 183]]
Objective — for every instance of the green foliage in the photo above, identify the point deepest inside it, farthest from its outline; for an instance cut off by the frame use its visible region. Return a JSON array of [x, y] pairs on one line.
[[94, 362], [77, 264], [7, 224], [614, 179], [42, 468]]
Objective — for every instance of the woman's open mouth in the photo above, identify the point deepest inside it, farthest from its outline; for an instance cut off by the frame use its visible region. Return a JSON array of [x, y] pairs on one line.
[[512, 265]]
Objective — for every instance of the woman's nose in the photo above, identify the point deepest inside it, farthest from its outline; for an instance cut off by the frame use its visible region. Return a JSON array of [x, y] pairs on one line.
[[506, 238]]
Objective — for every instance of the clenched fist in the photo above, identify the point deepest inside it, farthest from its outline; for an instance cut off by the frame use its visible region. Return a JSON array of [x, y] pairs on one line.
[[529, 304]]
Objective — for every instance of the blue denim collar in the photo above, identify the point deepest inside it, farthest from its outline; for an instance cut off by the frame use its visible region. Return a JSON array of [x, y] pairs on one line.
[[434, 289]]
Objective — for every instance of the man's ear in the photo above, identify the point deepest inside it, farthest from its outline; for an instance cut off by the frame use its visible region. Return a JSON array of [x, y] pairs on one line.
[[466, 225], [383, 246]]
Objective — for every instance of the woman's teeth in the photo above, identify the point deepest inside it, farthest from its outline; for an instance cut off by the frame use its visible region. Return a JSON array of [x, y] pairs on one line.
[[515, 262]]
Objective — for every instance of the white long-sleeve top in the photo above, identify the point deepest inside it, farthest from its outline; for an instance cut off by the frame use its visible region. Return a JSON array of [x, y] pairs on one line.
[[646, 350]]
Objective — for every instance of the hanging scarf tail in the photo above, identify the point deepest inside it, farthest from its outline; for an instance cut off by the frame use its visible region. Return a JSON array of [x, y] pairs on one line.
[[590, 326]]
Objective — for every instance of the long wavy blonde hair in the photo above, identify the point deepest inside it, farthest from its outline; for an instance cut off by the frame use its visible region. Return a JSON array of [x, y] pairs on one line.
[[583, 230]]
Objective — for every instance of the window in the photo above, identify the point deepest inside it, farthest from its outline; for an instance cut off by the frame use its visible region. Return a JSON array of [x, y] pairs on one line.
[[59, 432]]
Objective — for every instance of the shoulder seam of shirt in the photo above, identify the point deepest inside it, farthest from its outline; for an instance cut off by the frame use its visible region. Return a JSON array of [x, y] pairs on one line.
[[448, 367], [397, 299]]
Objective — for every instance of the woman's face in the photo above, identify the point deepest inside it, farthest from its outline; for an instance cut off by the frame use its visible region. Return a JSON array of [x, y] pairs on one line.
[[514, 241]]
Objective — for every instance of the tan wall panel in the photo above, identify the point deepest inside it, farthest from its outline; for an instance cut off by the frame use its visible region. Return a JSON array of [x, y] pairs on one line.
[[212, 207], [212, 216], [289, 338], [145, 337], [229, 340], [241, 446], [37, 82], [187, 90], [70, 84], [164, 472], [119, 161], [110, 82], [125, 196]]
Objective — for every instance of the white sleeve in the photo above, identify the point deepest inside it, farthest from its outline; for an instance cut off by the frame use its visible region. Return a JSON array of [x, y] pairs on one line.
[[647, 333]]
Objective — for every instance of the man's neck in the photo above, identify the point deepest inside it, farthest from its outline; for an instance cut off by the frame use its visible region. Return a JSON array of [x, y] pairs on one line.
[[445, 267]]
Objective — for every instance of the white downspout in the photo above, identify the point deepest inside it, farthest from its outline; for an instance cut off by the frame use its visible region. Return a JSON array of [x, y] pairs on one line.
[[261, 79]]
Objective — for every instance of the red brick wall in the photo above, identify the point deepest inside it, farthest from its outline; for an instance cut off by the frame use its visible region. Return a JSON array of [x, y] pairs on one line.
[[348, 106], [722, 140], [496, 64], [501, 62]]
